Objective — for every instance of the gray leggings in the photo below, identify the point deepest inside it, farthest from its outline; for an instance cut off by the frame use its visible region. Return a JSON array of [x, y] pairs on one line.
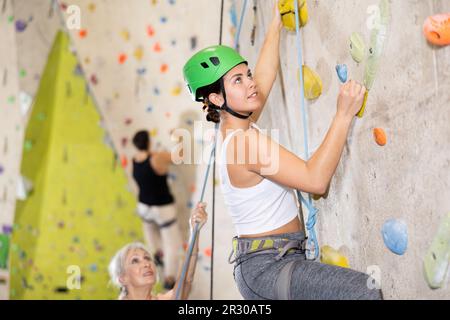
[[256, 276]]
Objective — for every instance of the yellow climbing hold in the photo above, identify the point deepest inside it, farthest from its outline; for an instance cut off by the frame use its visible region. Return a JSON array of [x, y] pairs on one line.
[[363, 108], [138, 53], [125, 34], [333, 257], [153, 133], [176, 90], [287, 11], [311, 83]]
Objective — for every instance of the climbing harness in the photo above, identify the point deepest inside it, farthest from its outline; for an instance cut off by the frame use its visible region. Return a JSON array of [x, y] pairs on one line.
[[243, 246]]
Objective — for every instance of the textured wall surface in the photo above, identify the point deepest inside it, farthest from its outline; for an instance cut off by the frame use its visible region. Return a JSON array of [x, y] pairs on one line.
[[132, 53]]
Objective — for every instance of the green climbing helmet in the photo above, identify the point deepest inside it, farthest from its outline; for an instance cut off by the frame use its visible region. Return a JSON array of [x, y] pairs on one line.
[[209, 65]]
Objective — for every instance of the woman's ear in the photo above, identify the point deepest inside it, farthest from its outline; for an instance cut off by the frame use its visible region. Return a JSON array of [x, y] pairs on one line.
[[122, 280], [216, 99]]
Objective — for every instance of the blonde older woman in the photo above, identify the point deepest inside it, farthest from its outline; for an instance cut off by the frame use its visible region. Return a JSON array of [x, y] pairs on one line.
[[134, 272]]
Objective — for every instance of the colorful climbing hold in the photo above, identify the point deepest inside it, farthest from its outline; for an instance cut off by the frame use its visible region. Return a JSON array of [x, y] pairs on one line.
[[395, 236], [176, 91], [333, 257], [28, 145], [122, 58], [341, 70], [164, 67], [124, 161], [287, 11], [437, 29], [193, 43], [157, 47], [21, 25], [207, 252], [138, 53], [150, 31], [141, 71], [380, 136], [357, 47], [82, 33], [125, 34], [91, 7], [437, 259], [94, 79], [153, 133], [312, 83]]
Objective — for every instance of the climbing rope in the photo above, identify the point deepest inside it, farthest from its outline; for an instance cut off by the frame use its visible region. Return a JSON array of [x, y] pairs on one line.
[[211, 161], [312, 216]]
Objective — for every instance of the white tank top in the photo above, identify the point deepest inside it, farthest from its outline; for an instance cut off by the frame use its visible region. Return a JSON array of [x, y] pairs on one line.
[[261, 208]]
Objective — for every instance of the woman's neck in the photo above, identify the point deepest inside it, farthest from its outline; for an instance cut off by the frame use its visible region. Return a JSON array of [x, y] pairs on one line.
[[142, 155], [143, 293], [230, 122]]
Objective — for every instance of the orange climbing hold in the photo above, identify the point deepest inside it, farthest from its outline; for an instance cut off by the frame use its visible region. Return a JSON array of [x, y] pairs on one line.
[[208, 252], [124, 161], [150, 31], [122, 58], [164, 68], [82, 33], [380, 136], [437, 29], [157, 47]]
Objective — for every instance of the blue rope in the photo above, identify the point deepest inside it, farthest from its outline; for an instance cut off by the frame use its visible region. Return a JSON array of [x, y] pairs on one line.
[[312, 216], [239, 28]]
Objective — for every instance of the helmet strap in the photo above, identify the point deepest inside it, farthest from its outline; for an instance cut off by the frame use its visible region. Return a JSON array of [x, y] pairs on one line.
[[226, 108]]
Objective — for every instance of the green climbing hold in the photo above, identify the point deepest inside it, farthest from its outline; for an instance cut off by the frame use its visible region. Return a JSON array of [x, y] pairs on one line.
[[28, 145], [357, 47], [437, 259], [41, 116], [11, 99]]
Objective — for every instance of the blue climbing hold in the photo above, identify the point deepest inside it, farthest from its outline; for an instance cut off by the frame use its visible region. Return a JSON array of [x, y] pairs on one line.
[[342, 73], [395, 236]]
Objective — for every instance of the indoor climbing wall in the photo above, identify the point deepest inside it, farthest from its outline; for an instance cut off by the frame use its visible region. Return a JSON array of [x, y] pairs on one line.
[[21, 66], [387, 205], [11, 131], [133, 61], [122, 70], [80, 209], [35, 24]]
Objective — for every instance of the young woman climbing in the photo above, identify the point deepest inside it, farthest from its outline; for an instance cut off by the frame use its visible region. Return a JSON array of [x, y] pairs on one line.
[[270, 260]]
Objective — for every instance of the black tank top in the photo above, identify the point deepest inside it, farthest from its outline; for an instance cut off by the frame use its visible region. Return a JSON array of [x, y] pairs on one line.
[[153, 188]]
